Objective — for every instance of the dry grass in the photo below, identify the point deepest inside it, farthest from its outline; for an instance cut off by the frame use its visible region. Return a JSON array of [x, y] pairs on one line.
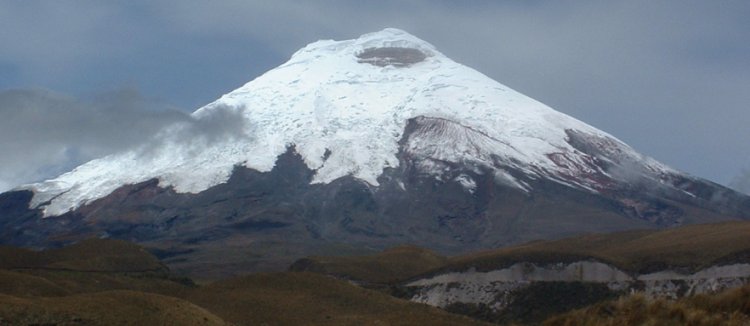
[[687, 248], [81, 285], [92, 255], [104, 308], [690, 247], [387, 267], [274, 299], [312, 299], [26, 285], [731, 307]]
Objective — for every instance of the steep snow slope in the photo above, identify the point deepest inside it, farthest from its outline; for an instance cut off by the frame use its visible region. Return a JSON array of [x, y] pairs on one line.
[[345, 105]]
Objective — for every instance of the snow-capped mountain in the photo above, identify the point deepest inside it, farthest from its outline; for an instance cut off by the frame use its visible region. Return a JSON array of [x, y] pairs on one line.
[[389, 118], [345, 115]]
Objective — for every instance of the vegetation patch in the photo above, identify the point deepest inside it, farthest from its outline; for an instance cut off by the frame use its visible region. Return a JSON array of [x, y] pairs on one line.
[[731, 307]]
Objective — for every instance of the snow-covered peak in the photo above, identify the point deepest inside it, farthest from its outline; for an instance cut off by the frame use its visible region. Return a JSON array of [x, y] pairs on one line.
[[387, 38], [344, 106]]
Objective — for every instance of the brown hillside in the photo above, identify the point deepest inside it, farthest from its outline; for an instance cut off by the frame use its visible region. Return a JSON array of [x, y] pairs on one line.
[[88, 284], [102, 255], [104, 308], [386, 267], [687, 248], [312, 299], [92, 255]]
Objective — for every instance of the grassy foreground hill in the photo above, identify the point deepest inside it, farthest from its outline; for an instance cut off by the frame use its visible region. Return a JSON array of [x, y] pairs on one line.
[[110, 282], [120, 307], [312, 299]]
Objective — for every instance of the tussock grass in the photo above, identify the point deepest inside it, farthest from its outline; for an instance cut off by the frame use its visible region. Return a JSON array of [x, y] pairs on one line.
[[731, 307]]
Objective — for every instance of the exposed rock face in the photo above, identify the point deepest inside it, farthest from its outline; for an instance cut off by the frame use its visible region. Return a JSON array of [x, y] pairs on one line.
[[394, 56], [495, 289], [713, 279], [500, 289]]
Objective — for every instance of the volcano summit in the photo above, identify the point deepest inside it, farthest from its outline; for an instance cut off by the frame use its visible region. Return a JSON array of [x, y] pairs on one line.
[[358, 145]]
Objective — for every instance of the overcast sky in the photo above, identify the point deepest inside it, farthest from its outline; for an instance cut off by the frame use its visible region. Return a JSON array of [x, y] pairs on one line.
[[81, 79]]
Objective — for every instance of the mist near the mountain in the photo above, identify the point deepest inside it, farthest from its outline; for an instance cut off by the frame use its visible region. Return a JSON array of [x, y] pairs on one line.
[[46, 133], [742, 181], [222, 124]]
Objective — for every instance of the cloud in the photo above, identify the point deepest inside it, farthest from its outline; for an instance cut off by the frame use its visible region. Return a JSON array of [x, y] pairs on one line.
[[45, 133], [58, 37]]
